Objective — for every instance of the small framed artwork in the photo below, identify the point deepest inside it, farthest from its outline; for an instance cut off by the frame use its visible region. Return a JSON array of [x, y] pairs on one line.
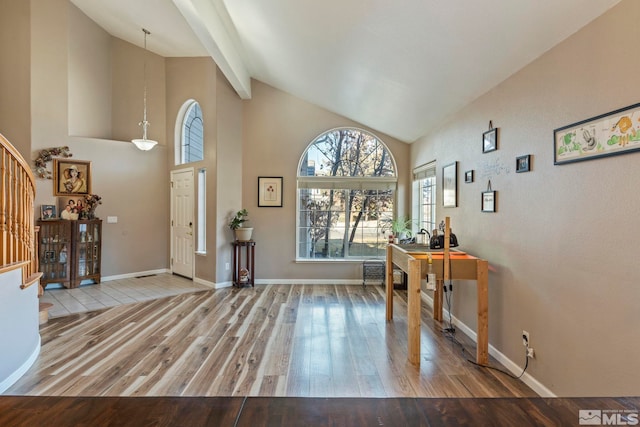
[[490, 140], [48, 212], [270, 191], [488, 201], [468, 176], [523, 163], [71, 177], [450, 185]]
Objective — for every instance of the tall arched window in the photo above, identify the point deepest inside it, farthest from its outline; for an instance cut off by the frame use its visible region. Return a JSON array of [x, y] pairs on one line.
[[192, 135], [346, 192]]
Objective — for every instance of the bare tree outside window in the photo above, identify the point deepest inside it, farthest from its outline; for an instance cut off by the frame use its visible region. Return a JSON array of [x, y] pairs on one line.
[[344, 217]]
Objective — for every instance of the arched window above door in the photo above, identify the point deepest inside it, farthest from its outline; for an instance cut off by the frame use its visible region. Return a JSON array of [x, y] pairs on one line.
[[192, 133]]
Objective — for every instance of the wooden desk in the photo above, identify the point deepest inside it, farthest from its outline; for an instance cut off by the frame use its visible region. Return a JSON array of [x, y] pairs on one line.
[[445, 264]]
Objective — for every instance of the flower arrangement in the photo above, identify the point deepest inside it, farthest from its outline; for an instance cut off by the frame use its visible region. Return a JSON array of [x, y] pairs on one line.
[[88, 208], [46, 156]]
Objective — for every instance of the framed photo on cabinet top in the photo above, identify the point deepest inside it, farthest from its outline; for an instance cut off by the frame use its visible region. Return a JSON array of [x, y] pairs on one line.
[[48, 212]]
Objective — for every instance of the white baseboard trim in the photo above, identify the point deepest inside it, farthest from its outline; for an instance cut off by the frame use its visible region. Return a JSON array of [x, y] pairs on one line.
[[133, 275], [204, 282], [308, 282], [213, 285], [18, 373], [513, 367]]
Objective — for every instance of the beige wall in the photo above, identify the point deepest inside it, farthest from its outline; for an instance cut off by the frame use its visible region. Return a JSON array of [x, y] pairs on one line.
[[127, 106], [229, 172], [89, 78], [133, 184], [195, 78], [277, 130], [562, 244], [15, 41]]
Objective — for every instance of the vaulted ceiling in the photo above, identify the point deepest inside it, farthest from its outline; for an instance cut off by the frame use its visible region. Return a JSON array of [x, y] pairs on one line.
[[398, 67]]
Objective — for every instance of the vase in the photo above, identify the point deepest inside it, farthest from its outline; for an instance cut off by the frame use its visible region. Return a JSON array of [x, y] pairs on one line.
[[243, 234], [88, 215]]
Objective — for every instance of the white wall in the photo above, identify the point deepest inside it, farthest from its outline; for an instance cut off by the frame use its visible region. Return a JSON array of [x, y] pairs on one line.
[[561, 245], [19, 329]]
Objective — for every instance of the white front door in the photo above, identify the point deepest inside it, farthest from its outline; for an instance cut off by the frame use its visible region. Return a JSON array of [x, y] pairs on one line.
[[182, 222]]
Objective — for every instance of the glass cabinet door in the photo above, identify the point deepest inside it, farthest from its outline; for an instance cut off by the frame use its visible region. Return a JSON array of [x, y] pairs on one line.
[[69, 251], [87, 241], [54, 252]]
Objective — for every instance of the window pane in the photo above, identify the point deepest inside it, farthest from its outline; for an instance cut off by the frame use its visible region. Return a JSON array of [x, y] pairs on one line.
[[201, 245], [193, 135], [428, 203], [340, 216]]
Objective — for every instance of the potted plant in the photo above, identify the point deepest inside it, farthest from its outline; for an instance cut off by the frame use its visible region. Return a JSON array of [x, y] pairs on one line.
[[401, 228], [241, 233]]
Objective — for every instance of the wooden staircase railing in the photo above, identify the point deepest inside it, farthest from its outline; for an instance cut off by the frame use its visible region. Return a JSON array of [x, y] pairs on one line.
[[17, 230]]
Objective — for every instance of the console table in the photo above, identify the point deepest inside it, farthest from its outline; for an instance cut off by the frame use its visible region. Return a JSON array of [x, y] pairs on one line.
[[446, 265], [249, 248]]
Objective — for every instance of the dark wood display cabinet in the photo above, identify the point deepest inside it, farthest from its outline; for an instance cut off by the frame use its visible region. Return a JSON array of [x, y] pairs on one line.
[[70, 251]]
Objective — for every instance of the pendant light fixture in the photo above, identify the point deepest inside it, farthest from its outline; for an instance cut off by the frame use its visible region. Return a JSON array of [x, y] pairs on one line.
[[144, 144]]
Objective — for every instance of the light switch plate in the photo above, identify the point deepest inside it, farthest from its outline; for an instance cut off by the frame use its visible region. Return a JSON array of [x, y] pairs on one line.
[[112, 220]]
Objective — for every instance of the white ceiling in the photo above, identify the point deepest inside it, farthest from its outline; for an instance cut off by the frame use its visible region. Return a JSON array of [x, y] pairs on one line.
[[398, 67]]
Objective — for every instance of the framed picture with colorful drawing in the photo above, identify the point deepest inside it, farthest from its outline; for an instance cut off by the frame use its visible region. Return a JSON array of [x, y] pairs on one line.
[[71, 177], [609, 134], [270, 191]]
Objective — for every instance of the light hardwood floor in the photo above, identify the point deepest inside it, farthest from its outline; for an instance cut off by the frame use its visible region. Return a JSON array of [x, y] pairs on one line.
[[271, 340]]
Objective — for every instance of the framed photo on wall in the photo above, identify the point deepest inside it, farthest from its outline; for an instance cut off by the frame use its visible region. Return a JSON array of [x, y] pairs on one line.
[[270, 191], [450, 185], [468, 176], [490, 140], [71, 177], [523, 163], [488, 201]]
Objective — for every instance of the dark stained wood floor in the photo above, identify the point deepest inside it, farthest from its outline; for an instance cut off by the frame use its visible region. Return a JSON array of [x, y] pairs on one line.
[[269, 411], [273, 340]]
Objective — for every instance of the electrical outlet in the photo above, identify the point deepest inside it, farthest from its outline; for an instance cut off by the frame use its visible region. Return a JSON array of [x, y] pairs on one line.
[[530, 353], [226, 266], [525, 338]]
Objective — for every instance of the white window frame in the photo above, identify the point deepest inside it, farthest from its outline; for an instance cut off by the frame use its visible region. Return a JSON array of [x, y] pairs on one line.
[[424, 175], [342, 183]]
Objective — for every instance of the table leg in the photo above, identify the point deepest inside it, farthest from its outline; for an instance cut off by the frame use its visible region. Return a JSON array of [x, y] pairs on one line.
[[389, 284], [482, 352], [413, 314], [437, 300]]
